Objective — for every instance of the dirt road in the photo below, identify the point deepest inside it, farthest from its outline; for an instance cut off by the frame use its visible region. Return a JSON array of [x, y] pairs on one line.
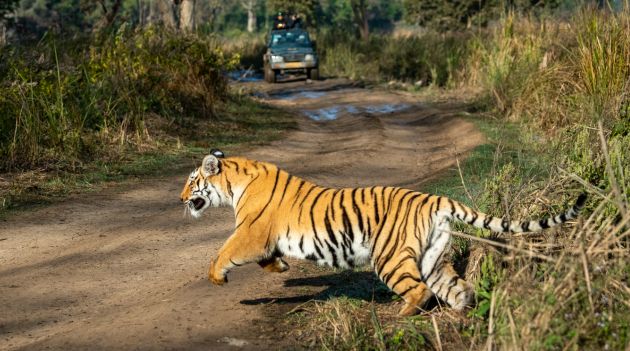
[[124, 269]]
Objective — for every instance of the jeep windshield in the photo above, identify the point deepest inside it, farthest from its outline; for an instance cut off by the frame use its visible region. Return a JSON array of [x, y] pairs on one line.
[[289, 38]]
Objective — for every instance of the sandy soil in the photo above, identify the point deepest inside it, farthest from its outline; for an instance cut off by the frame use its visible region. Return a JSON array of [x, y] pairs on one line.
[[124, 269]]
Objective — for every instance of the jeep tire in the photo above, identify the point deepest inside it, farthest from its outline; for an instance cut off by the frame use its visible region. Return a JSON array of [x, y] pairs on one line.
[[270, 74], [313, 73]]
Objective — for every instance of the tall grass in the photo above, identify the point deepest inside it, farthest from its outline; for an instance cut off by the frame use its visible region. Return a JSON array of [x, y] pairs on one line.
[[570, 291], [602, 61], [249, 48], [556, 73], [428, 59], [567, 82]]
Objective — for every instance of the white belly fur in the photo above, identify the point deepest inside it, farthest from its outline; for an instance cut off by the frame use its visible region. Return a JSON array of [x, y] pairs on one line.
[[290, 246]]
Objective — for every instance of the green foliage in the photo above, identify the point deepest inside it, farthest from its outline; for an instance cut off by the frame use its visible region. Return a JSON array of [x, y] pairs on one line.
[[489, 276], [527, 72], [429, 59], [602, 59], [449, 15], [68, 16], [454, 15], [249, 48], [60, 110]]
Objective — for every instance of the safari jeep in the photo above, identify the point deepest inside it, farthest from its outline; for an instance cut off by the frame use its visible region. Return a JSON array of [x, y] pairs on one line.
[[290, 51]]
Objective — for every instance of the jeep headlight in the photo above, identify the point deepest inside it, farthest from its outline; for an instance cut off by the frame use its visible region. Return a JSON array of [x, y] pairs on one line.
[[276, 59], [309, 57]]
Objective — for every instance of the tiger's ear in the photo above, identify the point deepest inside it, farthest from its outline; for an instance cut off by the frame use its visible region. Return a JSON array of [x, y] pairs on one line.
[[210, 166], [217, 153]]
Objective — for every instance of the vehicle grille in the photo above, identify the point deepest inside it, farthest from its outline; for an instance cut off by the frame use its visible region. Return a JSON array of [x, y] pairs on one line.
[[293, 57]]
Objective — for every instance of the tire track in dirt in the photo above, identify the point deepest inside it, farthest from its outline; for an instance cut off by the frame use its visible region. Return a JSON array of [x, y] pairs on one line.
[[123, 269]]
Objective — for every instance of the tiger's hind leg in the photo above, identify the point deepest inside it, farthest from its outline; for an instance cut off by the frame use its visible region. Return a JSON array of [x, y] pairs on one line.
[[403, 278], [450, 288], [274, 264], [440, 275]]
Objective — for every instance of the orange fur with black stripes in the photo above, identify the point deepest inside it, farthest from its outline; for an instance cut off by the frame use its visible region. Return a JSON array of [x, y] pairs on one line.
[[403, 234]]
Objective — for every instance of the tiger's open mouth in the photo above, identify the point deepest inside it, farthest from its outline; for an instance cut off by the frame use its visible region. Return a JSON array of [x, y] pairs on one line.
[[197, 203]]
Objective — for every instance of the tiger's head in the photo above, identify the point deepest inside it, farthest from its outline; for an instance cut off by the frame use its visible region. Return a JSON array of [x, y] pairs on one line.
[[205, 186]]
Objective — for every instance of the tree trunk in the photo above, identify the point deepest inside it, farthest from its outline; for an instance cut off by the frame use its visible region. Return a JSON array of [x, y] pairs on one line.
[[141, 19], [187, 15], [250, 6], [360, 12], [251, 21], [365, 27], [161, 11], [251, 16]]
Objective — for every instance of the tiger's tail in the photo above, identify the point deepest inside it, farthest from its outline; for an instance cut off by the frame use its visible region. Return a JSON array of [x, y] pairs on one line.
[[465, 214]]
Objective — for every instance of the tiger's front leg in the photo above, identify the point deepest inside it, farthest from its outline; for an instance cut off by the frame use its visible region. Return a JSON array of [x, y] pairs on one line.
[[240, 248]]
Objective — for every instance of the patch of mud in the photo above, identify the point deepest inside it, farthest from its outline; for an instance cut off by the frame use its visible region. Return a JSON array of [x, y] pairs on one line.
[[290, 96], [334, 112], [324, 114], [386, 108]]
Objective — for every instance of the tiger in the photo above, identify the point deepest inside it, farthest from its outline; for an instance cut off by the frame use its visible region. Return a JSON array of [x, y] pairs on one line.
[[401, 233]]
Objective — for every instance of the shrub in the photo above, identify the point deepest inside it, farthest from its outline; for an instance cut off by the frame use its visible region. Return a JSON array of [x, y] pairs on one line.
[[63, 102]]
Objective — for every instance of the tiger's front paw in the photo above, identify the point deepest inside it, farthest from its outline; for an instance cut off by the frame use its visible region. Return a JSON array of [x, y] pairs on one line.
[[217, 278]]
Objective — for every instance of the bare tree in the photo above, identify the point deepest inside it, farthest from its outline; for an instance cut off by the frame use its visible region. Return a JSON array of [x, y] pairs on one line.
[[250, 6]]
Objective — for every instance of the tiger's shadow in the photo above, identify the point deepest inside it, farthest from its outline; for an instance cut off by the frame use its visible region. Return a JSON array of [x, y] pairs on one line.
[[351, 284], [361, 285]]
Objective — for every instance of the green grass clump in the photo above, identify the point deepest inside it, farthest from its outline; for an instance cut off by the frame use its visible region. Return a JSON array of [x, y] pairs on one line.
[[349, 324]]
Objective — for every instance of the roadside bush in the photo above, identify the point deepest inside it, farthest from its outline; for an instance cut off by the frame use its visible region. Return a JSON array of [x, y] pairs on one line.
[[568, 83], [429, 59], [64, 101]]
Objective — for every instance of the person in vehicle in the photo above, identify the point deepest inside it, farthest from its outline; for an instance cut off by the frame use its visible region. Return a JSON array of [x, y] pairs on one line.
[[295, 22], [280, 22]]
